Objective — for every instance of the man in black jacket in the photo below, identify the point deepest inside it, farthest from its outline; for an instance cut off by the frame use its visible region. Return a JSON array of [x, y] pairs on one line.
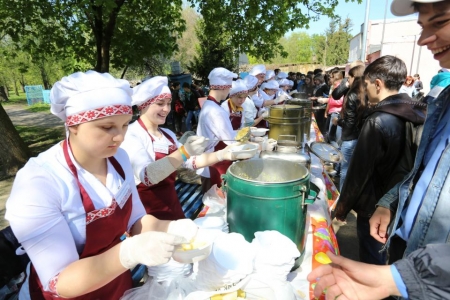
[[379, 160]]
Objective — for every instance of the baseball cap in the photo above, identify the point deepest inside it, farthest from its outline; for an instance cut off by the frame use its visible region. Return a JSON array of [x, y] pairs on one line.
[[405, 7]]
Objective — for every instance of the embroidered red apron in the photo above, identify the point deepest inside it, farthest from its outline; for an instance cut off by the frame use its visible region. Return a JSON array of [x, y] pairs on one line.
[[220, 168], [102, 233], [161, 200], [235, 117]]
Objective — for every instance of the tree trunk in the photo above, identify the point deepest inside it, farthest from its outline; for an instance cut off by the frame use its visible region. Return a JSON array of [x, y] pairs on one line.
[[44, 78], [16, 90], [13, 151], [3, 95], [123, 73]]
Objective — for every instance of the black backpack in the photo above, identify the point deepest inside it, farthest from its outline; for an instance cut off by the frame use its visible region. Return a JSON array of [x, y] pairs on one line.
[[11, 265]]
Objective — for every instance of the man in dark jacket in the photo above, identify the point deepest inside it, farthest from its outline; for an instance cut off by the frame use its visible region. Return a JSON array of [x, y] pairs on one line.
[[379, 160], [190, 104]]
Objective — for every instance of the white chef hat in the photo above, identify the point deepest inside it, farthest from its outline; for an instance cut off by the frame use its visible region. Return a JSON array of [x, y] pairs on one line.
[[269, 75], [270, 85], [258, 70], [83, 97], [238, 87], [283, 82], [150, 91], [220, 79], [251, 82], [282, 75]]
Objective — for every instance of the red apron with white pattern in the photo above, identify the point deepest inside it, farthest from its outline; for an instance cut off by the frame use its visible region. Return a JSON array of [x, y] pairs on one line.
[[235, 117], [220, 168], [161, 200], [104, 228]]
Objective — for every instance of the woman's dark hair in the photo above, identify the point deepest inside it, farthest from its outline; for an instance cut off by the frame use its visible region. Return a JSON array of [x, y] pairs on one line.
[[389, 69], [357, 88]]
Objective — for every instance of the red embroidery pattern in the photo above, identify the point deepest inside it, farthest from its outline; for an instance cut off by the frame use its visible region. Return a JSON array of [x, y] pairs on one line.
[[241, 92], [235, 114], [220, 87], [98, 113], [52, 284], [153, 100], [260, 74], [101, 213]]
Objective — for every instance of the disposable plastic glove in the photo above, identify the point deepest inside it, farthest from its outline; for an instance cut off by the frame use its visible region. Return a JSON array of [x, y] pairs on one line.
[[149, 248], [226, 153], [184, 228], [281, 98], [337, 224], [195, 145], [263, 113]]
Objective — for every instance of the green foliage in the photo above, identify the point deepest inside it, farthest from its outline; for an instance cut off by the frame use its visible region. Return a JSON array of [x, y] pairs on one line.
[[93, 32], [213, 51], [258, 26]]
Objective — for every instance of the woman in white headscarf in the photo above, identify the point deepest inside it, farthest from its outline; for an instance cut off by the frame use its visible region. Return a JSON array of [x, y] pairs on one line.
[[70, 206], [155, 153], [251, 115], [233, 105]]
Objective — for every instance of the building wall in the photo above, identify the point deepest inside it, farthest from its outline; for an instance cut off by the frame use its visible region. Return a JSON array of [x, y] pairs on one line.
[[400, 39]]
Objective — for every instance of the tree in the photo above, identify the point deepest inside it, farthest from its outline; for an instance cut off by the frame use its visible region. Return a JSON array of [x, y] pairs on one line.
[[188, 42], [13, 151], [100, 32], [257, 26], [212, 52], [333, 49]]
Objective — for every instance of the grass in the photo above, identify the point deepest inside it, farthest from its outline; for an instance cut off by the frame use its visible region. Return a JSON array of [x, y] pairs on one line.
[[39, 107], [40, 139], [14, 99]]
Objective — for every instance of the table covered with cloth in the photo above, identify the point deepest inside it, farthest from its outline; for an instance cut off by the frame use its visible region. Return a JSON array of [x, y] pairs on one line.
[[320, 236]]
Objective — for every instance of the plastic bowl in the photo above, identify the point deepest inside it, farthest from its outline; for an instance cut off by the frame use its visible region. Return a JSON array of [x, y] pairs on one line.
[[195, 255], [245, 151], [259, 131]]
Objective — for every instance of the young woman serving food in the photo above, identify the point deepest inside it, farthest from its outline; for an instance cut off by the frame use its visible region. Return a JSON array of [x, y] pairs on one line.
[[70, 206], [155, 153]]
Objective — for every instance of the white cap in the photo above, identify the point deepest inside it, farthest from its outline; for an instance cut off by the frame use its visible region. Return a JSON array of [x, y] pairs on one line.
[[150, 91], [83, 97], [282, 75], [251, 82], [283, 82], [258, 70], [221, 79], [405, 7], [291, 83], [269, 75], [238, 87], [270, 85]]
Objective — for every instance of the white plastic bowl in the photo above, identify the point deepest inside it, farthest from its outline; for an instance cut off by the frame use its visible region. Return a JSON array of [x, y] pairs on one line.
[[195, 255], [245, 151], [259, 131]]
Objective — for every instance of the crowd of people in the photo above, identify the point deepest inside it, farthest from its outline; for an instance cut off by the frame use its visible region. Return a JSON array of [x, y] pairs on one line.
[[71, 206]]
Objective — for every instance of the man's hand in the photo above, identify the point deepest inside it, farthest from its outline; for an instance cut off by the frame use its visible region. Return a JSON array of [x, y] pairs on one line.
[[379, 223]]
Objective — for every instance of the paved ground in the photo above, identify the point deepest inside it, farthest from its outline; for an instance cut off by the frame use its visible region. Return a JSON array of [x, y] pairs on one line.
[[20, 116]]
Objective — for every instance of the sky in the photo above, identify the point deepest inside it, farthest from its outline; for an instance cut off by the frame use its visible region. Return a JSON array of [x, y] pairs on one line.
[[356, 12]]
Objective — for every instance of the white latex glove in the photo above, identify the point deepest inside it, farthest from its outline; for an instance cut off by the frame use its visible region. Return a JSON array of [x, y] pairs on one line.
[[184, 228], [150, 248], [195, 145], [281, 98], [226, 153], [337, 224], [263, 112]]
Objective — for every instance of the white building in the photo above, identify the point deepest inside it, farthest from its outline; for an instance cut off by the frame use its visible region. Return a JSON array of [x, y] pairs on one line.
[[399, 38]]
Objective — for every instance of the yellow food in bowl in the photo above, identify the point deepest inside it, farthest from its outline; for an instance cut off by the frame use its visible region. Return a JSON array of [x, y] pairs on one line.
[[242, 134], [192, 245]]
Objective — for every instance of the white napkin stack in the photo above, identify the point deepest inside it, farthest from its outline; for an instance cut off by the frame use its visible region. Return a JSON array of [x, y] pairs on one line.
[[169, 271]]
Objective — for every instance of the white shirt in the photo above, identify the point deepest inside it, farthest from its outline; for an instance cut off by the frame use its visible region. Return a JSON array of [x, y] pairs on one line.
[[47, 216], [250, 110], [139, 147], [227, 109], [214, 123]]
